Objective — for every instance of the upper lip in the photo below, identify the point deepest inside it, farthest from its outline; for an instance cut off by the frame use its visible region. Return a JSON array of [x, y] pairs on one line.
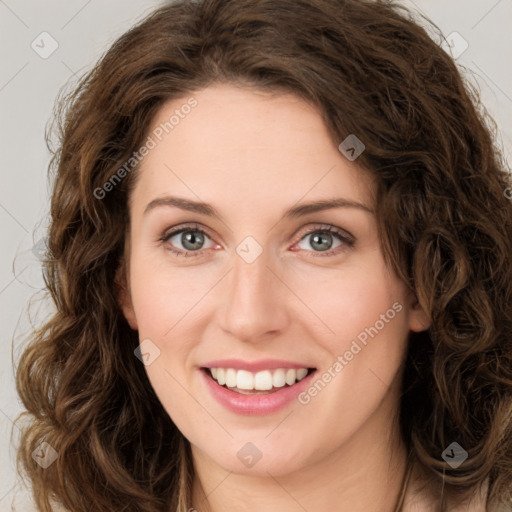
[[254, 366]]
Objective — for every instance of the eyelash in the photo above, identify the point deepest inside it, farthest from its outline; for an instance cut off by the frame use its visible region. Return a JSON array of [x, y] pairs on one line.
[[346, 239]]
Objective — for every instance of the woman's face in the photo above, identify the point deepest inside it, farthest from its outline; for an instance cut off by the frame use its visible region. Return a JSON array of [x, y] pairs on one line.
[[250, 281]]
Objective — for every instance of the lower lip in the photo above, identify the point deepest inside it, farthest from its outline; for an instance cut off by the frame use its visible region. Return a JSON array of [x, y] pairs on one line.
[[252, 405]]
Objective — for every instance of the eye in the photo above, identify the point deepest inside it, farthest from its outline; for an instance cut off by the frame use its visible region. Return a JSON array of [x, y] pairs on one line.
[[323, 240], [191, 239]]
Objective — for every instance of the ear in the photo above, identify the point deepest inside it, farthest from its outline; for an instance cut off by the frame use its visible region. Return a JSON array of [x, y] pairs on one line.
[[418, 318], [123, 296]]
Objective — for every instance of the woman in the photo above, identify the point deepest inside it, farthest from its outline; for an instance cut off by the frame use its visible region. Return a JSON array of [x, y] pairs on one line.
[[280, 257]]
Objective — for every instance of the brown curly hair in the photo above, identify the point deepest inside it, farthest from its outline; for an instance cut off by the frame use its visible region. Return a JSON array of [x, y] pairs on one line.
[[445, 225]]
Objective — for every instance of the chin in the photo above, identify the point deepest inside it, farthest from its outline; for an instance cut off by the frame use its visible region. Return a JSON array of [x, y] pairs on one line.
[[245, 458]]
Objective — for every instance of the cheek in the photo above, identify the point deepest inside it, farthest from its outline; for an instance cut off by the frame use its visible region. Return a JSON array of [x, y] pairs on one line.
[[162, 295], [164, 306], [367, 312], [353, 299], [365, 329], [169, 304]]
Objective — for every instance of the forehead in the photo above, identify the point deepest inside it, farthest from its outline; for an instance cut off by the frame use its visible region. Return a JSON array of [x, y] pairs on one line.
[[239, 145]]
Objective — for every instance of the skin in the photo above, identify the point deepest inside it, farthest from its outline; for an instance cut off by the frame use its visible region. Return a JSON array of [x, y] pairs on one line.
[[252, 156]]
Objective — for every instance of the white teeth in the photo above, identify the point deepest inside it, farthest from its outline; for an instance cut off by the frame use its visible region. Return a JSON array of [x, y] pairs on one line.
[[244, 380], [291, 376], [301, 373], [259, 381], [230, 378], [263, 381], [279, 378]]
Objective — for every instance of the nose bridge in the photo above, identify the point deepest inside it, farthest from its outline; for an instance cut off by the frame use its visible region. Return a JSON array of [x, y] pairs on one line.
[[252, 300]]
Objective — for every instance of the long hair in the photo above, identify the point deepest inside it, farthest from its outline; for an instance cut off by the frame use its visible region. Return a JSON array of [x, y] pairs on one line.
[[444, 220]]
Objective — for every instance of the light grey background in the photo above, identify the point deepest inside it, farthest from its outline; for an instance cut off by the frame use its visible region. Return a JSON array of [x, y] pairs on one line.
[[83, 30]]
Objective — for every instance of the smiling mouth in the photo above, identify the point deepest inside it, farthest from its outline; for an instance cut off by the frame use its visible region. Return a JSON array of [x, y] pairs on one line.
[[257, 383]]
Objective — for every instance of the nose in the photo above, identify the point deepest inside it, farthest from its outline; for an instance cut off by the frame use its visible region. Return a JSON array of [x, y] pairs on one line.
[[253, 301]]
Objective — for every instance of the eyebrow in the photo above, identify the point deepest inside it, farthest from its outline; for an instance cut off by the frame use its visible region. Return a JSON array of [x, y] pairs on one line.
[[294, 212]]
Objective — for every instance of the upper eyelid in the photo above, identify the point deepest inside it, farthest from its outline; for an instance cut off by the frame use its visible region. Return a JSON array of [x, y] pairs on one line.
[[180, 228], [329, 228]]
